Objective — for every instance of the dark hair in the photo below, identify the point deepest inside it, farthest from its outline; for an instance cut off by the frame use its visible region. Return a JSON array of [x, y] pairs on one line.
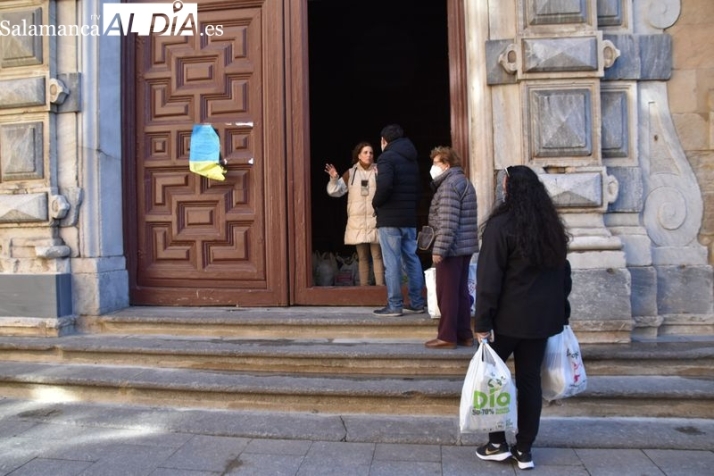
[[540, 233], [392, 132], [446, 154], [358, 148]]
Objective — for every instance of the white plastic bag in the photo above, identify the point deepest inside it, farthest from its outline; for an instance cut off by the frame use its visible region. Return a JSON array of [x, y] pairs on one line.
[[472, 287], [432, 305], [563, 373], [488, 397], [348, 272], [326, 269]]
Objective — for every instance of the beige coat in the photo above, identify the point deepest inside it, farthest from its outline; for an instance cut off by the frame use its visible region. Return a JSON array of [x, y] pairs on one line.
[[361, 222]]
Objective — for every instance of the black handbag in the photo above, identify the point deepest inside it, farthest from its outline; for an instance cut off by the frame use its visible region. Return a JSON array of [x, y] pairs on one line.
[[425, 238]]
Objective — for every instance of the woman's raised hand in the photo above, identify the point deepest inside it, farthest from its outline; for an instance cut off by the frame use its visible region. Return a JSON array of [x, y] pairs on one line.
[[331, 170]]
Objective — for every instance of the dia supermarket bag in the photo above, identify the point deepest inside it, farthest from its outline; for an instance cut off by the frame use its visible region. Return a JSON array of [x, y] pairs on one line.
[[563, 373], [488, 397]]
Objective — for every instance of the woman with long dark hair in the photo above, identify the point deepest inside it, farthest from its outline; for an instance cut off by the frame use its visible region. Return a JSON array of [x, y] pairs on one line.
[[522, 288]]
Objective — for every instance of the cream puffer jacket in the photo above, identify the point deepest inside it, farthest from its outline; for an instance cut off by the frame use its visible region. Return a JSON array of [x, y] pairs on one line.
[[361, 221]]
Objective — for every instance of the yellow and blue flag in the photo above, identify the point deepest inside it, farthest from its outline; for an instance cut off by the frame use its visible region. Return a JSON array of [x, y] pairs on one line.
[[205, 153]]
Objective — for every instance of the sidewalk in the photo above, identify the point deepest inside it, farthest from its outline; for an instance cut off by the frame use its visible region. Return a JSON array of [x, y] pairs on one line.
[[58, 439]]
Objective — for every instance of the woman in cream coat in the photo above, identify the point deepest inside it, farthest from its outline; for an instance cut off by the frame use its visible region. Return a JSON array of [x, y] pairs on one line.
[[360, 183]]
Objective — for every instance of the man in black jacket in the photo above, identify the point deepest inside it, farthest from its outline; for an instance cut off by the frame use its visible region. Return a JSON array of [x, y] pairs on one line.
[[395, 203]]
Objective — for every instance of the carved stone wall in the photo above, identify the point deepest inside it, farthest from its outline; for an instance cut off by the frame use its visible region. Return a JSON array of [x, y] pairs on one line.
[[554, 64], [589, 80], [31, 204], [691, 100], [50, 164], [615, 113], [638, 61], [673, 204]]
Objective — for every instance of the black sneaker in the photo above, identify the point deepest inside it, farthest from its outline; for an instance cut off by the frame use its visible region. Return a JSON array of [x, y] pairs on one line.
[[524, 459], [387, 312], [491, 452], [413, 310]]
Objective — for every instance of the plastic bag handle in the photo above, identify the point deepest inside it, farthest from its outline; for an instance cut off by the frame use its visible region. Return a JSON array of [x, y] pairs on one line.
[[483, 341]]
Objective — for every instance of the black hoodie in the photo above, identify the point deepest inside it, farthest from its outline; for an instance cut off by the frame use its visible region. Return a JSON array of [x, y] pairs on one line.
[[398, 185]]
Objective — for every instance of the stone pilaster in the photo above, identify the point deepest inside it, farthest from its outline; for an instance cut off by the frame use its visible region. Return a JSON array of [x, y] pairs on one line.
[[61, 251], [620, 152], [590, 82], [671, 275], [99, 268], [35, 279], [672, 215], [556, 61]]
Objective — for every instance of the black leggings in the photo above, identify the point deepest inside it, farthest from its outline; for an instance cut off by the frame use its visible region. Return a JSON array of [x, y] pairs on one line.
[[528, 358]]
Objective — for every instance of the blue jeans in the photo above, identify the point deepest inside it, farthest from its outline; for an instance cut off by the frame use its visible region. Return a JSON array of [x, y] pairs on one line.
[[399, 247]]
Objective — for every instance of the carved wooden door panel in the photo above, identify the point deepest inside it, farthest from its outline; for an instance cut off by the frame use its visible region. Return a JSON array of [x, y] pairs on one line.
[[200, 241]]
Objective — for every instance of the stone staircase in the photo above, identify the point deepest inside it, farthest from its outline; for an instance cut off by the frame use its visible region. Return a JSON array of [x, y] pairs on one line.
[[322, 360]]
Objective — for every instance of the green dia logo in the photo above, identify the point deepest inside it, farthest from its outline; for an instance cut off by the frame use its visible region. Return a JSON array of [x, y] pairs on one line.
[[493, 398]]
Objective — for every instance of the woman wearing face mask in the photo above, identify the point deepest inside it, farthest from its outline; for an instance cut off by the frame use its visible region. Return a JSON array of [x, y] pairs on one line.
[[452, 215], [360, 182]]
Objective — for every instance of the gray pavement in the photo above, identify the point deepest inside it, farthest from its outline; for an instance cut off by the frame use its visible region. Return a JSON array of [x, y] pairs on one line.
[[72, 438]]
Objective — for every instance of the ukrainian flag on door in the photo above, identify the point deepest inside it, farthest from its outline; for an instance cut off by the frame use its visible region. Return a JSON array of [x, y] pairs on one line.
[[205, 153]]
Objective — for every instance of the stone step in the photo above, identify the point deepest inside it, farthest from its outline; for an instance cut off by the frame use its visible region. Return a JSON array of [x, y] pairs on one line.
[[302, 357], [284, 322], [622, 396], [261, 323], [336, 357], [324, 360]]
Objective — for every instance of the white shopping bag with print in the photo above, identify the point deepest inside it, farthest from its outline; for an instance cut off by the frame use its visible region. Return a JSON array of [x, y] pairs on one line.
[[563, 373], [488, 397]]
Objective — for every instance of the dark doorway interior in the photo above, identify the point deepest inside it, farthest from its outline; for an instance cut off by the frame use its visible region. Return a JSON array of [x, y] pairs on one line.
[[373, 62]]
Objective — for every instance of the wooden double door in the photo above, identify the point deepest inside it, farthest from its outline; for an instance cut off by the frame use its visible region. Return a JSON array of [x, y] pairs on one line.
[[192, 241]]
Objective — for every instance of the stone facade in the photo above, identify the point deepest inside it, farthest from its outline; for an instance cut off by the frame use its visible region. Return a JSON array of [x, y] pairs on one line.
[[580, 88], [61, 251], [691, 99], [609, 100]]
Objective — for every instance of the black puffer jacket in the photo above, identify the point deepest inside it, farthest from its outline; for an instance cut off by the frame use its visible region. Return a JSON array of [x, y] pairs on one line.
[[398, 185], [514, 298]]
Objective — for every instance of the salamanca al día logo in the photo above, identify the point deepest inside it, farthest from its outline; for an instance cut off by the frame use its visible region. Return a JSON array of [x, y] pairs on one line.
[[165, 19], [119, 19]]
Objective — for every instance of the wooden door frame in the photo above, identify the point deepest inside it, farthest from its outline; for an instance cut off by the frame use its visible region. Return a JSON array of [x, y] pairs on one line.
[[297, 100], [458, 74], [129, 156]]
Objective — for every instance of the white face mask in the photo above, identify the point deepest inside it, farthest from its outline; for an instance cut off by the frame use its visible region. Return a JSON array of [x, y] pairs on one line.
[[435, 171]]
